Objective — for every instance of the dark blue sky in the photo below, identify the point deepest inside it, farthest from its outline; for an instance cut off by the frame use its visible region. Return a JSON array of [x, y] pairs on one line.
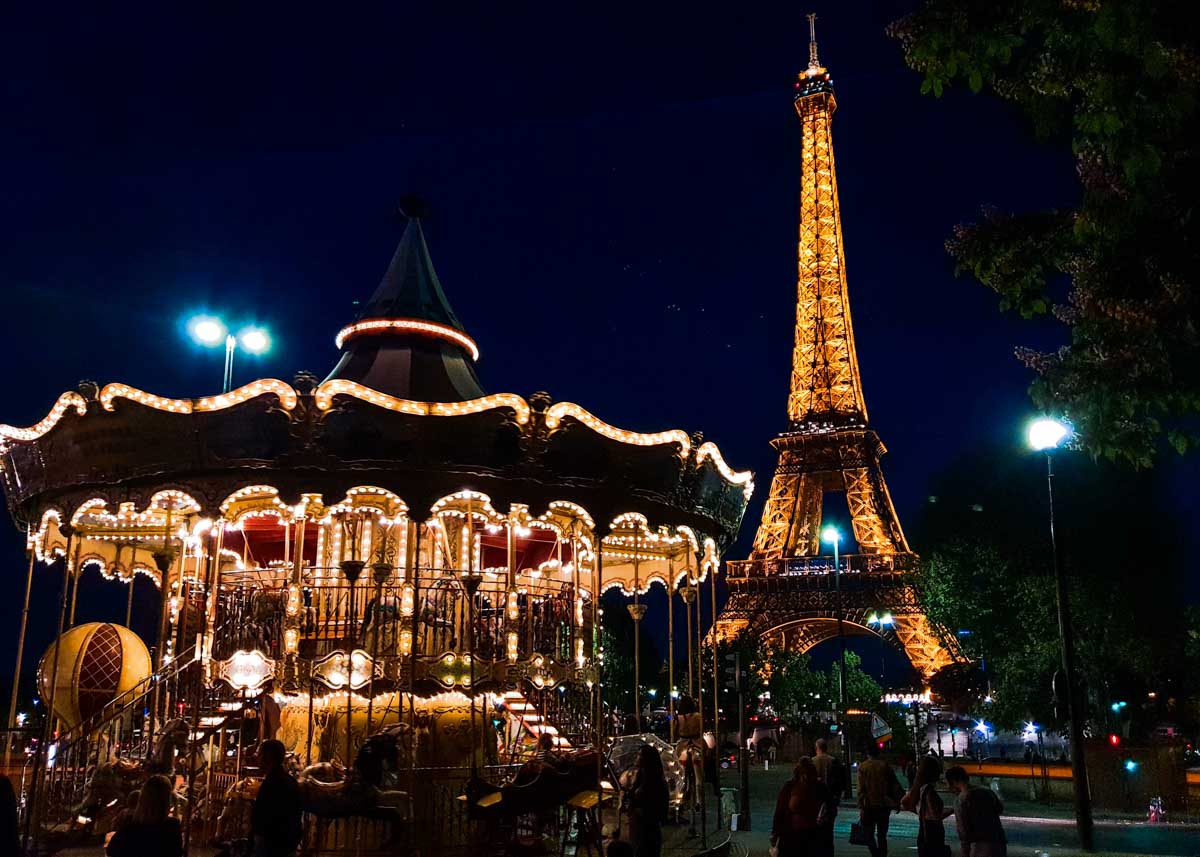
[[614, 196]]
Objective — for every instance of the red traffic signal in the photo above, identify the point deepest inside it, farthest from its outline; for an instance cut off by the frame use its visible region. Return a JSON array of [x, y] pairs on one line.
[[1114, 739]]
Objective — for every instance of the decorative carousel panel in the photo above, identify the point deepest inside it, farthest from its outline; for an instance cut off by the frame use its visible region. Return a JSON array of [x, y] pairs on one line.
[[96, 663], [246, 671], [334, 672]]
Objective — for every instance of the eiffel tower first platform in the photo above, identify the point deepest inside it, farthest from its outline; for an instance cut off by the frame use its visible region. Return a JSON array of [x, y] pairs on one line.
[[785, 592]]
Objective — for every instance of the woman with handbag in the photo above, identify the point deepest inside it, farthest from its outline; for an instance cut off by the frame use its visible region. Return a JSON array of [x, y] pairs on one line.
[[923, 799], [801, 812]]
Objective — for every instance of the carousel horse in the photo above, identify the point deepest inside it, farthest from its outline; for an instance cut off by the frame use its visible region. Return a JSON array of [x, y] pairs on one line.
[[536, 787], [110, 782]]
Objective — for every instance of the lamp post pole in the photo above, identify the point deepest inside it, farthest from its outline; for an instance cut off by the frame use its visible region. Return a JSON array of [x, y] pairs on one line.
[[832, 535], [1083, 800]]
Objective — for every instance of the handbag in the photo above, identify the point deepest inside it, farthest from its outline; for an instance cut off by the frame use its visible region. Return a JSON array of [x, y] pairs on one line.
[[859, 835]]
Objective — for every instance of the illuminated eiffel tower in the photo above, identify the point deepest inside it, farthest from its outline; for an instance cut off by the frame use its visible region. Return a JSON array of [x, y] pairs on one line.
[[787, 592]]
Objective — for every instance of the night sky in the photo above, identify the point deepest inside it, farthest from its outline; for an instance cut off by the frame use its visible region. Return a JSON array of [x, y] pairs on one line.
[[614, 200]]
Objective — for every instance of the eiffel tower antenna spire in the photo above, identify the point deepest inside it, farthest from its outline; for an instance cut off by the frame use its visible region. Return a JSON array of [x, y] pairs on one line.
[[813, 63]]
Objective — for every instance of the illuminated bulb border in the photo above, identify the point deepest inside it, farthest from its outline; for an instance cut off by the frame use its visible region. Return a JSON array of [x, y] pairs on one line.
[[407, 325]]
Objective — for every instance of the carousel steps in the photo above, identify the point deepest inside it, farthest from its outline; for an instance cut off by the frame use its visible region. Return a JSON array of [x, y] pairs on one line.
[[533, 723]]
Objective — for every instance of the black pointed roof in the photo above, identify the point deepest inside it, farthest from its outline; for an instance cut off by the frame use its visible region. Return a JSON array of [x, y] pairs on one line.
[[405, 363], [410, 287]]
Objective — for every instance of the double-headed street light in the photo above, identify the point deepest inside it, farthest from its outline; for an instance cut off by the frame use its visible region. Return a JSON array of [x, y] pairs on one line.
[[881, 621], [210, 332], [1046, 435]]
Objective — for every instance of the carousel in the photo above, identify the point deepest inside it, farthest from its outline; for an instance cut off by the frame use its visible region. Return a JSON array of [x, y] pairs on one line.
[[393, 572]]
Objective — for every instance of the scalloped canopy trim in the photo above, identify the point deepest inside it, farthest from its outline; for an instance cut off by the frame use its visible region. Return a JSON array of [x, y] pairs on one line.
[[326, 392]]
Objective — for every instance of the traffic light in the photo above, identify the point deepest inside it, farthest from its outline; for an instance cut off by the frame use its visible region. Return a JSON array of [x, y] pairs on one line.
[[1114, 739], [735, 677]]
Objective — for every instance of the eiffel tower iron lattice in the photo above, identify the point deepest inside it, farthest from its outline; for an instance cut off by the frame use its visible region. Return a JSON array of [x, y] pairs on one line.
[[785, 592]]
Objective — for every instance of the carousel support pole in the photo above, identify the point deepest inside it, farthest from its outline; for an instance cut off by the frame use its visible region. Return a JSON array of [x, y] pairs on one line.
[[33, 804], [671, 648], [198, 667], [687, 593], [75, 574], [715, 692], [598, 661], [700, 707], [12, 700], [129, 600], [638, 611], [414, 570], [471, 586]]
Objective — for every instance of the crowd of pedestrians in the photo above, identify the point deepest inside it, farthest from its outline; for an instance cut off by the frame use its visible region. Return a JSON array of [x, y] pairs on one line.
[[807, 806]]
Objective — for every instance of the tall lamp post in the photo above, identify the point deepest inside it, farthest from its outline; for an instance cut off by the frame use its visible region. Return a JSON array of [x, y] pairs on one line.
[[1045, 435], [211, 332], [831, 535]]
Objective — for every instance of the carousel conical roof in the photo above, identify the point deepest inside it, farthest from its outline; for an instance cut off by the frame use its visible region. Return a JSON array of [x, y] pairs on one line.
[[407, 341]]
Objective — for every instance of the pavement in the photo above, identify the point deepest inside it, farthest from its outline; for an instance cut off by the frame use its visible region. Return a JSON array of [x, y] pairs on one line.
[[1051, 833]]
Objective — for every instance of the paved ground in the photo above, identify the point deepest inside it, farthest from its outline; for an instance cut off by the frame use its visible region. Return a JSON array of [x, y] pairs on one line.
[[1028, 836]]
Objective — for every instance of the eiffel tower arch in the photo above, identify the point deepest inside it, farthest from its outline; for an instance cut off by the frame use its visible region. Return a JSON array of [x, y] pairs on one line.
[[785, 592]]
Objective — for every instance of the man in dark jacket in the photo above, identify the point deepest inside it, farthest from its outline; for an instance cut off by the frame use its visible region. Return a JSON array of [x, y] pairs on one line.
[[275, 819], [977, 814]]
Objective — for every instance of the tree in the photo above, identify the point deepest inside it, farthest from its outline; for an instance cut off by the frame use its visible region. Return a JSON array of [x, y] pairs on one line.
[[1116, 80], [986, 575], [616, 638]]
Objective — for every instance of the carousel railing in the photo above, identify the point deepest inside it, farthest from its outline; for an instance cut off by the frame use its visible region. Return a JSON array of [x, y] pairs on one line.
[[382, 617]]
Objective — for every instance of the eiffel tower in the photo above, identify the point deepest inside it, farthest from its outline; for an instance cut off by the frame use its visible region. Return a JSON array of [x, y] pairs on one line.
[[785, 592]]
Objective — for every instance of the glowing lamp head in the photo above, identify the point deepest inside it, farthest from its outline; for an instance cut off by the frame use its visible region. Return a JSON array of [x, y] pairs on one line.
[[886, 620], [1045, 434], [831, 536], [1131, 765], [207, 331], [255, 340]]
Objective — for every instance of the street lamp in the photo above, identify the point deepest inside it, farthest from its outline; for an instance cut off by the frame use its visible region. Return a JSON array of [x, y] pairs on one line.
[[831, 535], [1046, 435], [876, 620], [210, 332]]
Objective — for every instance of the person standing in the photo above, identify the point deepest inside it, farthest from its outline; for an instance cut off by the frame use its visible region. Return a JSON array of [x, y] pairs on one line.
[[977, 815], [923, 799], [648, 803], [802, 814], [275, 818], [151, 830], [832, 773], [878, 797]]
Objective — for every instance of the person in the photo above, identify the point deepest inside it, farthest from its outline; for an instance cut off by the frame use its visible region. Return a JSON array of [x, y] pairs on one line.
[[923, 799], [275, 818], [878, 796], [151, 830], [832, 773], [977, 815], [546, 755], [10, 845], [648, 800], [802, 814]]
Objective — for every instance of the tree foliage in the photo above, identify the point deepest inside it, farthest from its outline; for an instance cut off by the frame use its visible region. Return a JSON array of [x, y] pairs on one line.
[[986, 574], [1116, 80]]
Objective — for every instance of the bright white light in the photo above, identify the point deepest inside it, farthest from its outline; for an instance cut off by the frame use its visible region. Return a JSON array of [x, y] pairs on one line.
[[886, 619], [831, 536], [982, 728], [1047, 434], [255, 340], [207, 330], [873, 619]]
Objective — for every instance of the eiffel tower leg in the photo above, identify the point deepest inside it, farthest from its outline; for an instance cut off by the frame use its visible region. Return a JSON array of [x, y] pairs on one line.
[[921, 643], [876, 528]]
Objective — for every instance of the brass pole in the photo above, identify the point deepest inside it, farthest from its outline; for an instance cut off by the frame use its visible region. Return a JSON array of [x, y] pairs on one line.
[[671, 645], [715, 691], [597, 660], [12, 700], [637, 634], [75, 572]]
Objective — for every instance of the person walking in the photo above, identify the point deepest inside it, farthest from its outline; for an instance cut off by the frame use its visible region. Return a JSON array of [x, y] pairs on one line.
[[879, 795], [923, 799], [802, 814], [977, 815], [832, 773], [275, 818], [151, 830], [648, 803]]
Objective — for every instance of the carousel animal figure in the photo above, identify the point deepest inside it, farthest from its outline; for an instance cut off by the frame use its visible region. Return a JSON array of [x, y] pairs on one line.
[[329, 791], [171, 741], [537, 786]]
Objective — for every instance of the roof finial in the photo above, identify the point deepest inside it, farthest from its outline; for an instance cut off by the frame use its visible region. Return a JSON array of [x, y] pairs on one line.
[[813, 62]]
